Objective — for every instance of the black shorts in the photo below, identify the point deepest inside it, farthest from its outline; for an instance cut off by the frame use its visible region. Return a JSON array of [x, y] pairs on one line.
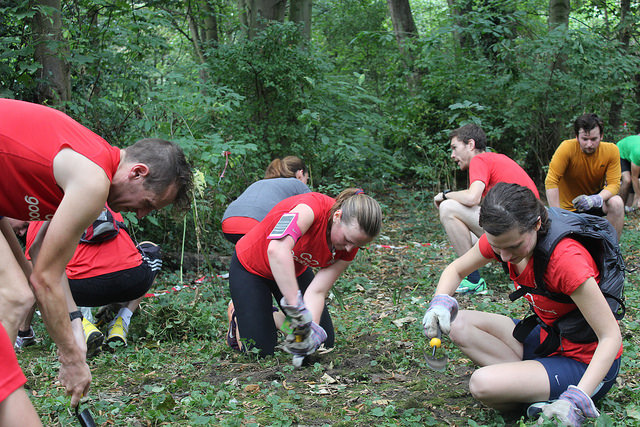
[[119, 286], [625, 165]]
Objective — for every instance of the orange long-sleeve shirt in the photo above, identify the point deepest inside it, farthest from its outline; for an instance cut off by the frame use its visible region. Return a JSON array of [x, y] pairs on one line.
[[574, 173]]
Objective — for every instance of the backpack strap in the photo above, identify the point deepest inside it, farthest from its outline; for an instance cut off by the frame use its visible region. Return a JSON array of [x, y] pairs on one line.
[[104, 228], [528, 324]]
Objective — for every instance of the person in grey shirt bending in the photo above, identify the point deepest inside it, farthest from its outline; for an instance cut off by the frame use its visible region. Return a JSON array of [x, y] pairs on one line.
[[283, 178]]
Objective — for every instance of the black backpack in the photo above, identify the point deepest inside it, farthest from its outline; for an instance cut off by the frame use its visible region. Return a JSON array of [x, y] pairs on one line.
[[599, 237], [104, 228]]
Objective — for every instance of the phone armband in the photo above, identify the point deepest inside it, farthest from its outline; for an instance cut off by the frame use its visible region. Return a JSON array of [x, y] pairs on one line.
[[286, 226]]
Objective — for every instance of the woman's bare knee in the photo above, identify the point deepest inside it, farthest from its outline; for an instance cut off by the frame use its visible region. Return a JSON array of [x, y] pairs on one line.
[[480, 385]]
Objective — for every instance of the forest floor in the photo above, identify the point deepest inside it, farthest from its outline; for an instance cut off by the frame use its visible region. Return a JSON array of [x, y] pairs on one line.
[[178, 370]]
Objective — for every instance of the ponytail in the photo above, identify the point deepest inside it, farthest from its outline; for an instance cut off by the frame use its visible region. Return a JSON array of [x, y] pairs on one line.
[[358, 208], [285, 168]]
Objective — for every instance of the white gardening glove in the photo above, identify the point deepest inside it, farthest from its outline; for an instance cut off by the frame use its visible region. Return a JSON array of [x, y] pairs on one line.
[[571, 408], [309, 344], [584, 203], [442, 310]]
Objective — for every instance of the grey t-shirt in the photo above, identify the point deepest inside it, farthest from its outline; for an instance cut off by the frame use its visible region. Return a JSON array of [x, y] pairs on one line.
[[261, 196]]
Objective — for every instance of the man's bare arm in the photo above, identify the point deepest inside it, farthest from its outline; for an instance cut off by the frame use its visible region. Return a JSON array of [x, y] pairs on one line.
[[553, 197], [85, 187]]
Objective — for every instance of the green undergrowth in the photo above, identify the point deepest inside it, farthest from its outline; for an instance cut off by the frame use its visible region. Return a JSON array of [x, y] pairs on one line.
[[178, 370]]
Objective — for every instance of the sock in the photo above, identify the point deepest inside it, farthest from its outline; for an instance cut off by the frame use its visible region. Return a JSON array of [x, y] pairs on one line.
[[126, 314], [26, 333], [474, 277], [87, 314]]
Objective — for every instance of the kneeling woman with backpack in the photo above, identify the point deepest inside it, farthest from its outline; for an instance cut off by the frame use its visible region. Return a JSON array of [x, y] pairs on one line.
[[561, 379]]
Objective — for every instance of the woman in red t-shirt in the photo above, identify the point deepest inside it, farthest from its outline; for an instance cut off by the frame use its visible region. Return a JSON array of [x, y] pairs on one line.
[[308, 230], [511, 374]]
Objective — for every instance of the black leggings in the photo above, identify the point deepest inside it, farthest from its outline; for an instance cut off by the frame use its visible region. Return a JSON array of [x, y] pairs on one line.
[[252, 300]]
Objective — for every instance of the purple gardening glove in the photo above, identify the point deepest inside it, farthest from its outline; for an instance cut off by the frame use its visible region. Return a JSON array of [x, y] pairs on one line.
[[441, 312], [571, 408], [584, 203], [310, 343]]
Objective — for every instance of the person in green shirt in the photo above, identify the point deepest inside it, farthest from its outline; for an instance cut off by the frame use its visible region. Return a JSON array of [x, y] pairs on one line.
[[630, 164]]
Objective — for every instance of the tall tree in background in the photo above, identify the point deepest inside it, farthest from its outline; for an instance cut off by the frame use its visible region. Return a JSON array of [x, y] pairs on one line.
[[51, 51], [624, 37], [406, 33], [459, 8], [203, 28], [300, 12], [254, 14], [559, 13]]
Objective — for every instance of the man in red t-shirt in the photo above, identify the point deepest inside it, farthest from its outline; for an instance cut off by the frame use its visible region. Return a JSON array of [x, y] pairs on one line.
[[55, 169], [459, 210]]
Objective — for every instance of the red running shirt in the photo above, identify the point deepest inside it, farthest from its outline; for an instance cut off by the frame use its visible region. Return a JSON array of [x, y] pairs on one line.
[[492, 168], [31, 135], [95, 259], [11, 376], [569, 267], [311, 250]]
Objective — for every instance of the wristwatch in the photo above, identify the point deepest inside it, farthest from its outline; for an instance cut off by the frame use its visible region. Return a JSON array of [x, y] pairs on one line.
[[444, 194], [75, 315]]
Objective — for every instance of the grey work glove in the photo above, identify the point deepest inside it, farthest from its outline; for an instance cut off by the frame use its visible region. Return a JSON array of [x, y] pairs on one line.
[[309, 343], [571, 408], [442, 310], [299, 317], [583, 203]]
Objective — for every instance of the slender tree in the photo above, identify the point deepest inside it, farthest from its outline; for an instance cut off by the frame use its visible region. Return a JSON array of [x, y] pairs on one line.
[[254, 14], [51, 51], [624, 37], [559, 13], [300, 11], [406, 32]]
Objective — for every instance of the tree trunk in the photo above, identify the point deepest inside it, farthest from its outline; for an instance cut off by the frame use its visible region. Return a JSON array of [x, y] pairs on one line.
[[403, 24], [51, 51], [406, 31], [457, 9], [254, 14], [624, 36], [300, 11], [559, 13], [636, 121], [547, 127], [210, 23]]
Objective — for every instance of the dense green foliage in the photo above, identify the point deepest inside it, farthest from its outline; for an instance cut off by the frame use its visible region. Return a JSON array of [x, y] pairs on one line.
[[359, 110]]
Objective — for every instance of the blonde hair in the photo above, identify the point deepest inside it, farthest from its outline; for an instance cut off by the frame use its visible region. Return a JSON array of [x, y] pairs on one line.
[[284, 168], [359, 208]]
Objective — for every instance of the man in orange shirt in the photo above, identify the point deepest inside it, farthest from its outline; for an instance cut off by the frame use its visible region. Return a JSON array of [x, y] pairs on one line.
[[584, 174]]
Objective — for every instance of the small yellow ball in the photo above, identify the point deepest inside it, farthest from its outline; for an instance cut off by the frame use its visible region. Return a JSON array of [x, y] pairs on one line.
[[435, 342]]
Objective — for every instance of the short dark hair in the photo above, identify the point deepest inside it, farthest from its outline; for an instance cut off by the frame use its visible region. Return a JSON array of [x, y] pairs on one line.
[[167, 165], [587, 122], [507, 206], [468, 132]]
